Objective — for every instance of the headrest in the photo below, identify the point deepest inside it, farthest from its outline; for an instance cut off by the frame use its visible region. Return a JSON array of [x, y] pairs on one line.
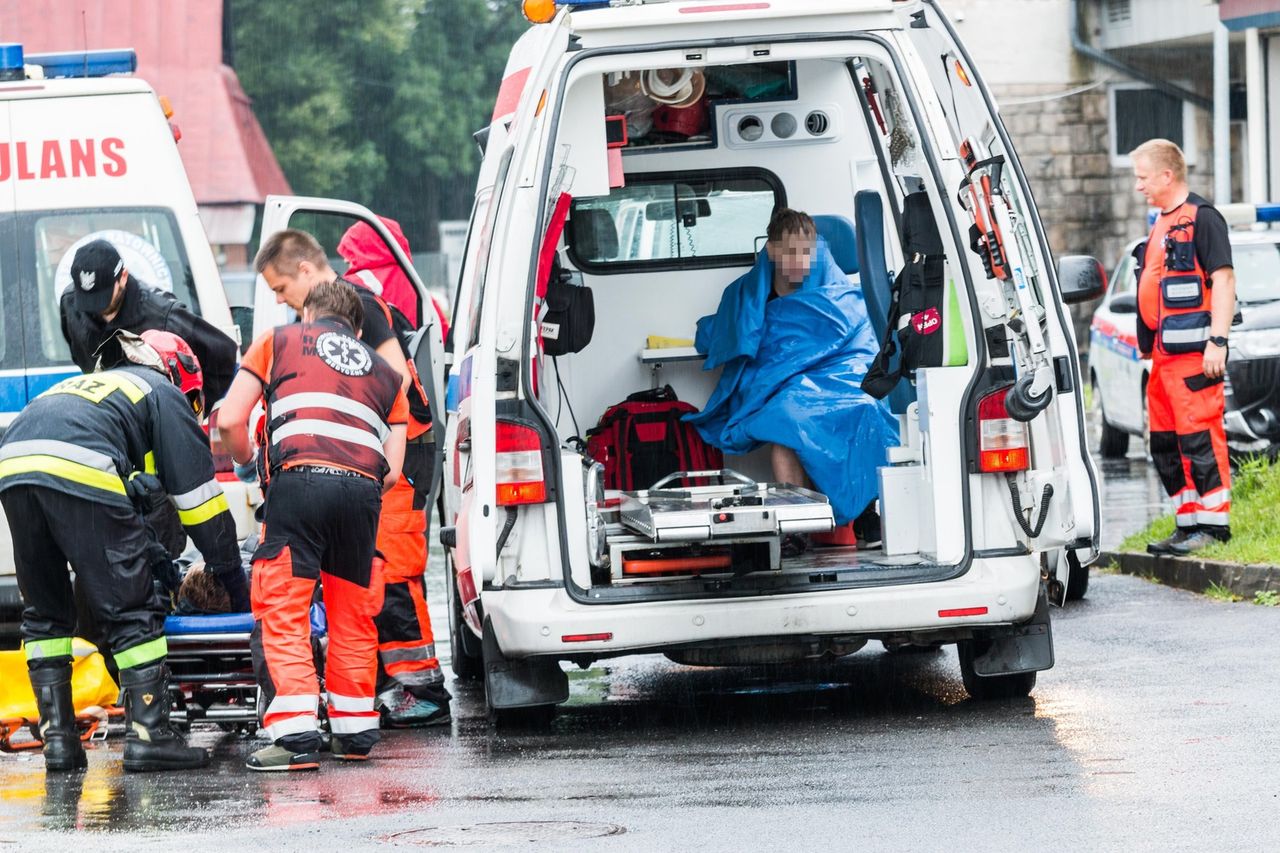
[[841, 240], [594, 236]]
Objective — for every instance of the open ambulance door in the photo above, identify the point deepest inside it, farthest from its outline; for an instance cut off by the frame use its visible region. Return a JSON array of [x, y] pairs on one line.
[[1058, 497], [426, 347]]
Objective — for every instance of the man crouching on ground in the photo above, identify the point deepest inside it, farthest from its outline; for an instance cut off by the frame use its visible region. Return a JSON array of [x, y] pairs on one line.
[[336, 418]]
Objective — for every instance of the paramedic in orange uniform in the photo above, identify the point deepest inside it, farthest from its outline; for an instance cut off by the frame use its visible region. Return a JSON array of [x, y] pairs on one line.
[[1186, 300], [336, 419], [411, 689]]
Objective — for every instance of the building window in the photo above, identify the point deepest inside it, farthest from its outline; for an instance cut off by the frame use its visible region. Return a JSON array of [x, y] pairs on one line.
[[1139, 112]]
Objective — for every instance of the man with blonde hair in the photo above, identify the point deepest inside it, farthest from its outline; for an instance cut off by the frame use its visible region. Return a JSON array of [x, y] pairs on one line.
[[1186, 299]]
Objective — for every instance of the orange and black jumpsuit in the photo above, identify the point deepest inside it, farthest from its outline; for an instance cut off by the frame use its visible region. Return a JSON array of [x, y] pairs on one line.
[[330, 403], [1184, 407], [406, 645]]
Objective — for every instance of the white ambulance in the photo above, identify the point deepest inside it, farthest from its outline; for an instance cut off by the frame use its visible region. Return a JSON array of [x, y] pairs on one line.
[[841, 108], [87, 152]]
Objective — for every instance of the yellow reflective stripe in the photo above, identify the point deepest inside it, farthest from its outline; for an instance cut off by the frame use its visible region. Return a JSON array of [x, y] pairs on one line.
[[204, 512], [143, 653], [95, 387], [149, 463], [55, 648], [64, 469]]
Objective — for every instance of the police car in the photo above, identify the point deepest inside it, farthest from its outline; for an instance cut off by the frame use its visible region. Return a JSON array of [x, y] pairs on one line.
[[1119, 373], [87, 152], [646, 144]]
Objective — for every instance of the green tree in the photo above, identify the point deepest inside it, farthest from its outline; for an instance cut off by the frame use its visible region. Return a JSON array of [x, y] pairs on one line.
[[376, 100]]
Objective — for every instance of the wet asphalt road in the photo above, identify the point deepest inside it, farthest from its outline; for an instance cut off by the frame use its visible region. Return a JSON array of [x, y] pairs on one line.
[[1157, 730]]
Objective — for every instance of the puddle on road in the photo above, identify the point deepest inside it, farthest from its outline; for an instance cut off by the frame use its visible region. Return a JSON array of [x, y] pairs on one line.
[[551, 832]]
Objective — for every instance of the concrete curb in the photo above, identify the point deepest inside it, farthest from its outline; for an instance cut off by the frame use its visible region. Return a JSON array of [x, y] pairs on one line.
[[1195, 575]]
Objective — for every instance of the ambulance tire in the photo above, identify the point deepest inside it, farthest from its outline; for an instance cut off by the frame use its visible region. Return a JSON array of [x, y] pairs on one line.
[[466, 657], [1114, 442], [984, 688]]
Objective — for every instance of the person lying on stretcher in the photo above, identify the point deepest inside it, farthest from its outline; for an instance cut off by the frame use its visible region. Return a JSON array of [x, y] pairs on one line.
[[794, 340]]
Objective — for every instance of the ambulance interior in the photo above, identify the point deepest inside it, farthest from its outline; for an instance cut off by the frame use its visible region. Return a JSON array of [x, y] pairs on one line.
[[670, 205]]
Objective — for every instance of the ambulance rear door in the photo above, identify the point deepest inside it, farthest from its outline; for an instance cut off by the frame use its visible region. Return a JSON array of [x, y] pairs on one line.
[[426, 348], [960, 111]]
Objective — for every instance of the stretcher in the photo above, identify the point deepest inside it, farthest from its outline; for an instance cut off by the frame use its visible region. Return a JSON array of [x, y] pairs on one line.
[[734, 526], [211, 666], [729, 510]]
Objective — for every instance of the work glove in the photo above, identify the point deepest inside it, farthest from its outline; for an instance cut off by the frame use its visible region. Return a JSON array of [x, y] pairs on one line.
[[248, 472], [237, 586], [145, 491]]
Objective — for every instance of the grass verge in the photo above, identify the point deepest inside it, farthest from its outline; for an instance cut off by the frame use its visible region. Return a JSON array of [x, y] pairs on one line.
[[1255, 522]]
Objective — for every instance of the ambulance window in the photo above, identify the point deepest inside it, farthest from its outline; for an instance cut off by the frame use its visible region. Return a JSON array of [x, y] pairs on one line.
[[147, 239], [484, 249], [685, 220]]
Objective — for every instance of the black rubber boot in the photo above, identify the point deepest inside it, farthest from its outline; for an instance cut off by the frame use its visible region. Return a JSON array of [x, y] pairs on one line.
[[151, 742], [62, 748]]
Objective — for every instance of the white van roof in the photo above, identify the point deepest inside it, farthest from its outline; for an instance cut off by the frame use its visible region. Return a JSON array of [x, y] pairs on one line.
[[73, 87], [684, 15]]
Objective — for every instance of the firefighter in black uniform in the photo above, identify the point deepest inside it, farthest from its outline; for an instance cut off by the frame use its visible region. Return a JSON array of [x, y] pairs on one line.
[[76, 465], [103, 298]]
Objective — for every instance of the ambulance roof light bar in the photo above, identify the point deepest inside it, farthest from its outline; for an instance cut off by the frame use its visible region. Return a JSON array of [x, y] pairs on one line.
[[1237, 214], [542, 11], [78, 63]]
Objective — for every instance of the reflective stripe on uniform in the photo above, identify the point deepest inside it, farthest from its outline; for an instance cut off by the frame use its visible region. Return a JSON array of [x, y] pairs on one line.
[[95, 387], [142, 654], [1186, 496], [201, 503], [323, 400], [1217, 499], [408, 653], [64, 469], [62, 449], [350, 704], [149, 463], [1221, 519], [338, 432], [344, 725], [1185, 336], [1185, 519], [301, 703], [58, 647]]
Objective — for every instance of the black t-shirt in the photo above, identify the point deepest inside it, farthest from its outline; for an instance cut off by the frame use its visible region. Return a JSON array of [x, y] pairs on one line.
[[1213, 238], [375, 331]]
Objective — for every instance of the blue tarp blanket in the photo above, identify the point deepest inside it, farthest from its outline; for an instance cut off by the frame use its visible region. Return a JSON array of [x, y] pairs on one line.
[[793, 369]]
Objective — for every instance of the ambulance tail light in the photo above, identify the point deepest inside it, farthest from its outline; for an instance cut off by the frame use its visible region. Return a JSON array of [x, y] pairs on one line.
[[1004, 445], [521, 477]]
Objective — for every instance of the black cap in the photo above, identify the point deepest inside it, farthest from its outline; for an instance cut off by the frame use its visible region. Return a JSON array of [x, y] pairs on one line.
[[94, 271]]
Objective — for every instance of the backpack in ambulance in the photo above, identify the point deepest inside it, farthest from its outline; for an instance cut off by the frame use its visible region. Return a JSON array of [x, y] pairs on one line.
[[644, 438]]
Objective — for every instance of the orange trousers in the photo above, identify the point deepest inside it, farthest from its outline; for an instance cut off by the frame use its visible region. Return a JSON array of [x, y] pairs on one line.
[[406, 645], [1188, 440]]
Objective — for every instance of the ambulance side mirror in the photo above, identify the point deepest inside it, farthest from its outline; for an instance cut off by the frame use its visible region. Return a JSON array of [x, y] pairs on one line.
[[1081, 278]]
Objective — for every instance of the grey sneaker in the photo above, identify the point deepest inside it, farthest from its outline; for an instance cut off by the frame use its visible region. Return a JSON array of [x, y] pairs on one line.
[[403, 710], [1166, 545], [1196, 541], [275, 758]]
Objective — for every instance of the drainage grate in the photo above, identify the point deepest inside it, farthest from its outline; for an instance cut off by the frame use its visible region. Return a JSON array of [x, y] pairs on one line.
[[544, 832]]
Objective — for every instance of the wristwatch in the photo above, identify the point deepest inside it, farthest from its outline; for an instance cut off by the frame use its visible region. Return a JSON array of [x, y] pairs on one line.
[[1218, 340]]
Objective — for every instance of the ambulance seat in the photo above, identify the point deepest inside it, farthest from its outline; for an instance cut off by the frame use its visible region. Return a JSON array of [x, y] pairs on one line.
[[877, 286], [593, 234], [841, 240]]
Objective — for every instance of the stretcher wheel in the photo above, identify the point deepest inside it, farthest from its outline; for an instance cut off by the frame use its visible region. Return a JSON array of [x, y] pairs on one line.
[[1019, 402]]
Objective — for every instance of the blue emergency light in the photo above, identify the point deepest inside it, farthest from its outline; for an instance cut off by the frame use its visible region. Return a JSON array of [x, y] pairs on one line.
[[85, 63], [11, 62]]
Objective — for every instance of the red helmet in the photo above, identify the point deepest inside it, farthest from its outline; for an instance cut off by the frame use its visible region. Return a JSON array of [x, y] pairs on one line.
[[181, 363]]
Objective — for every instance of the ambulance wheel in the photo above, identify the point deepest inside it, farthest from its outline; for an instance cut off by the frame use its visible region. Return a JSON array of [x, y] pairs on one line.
[[466, 661], [984, 688], [1114, 442]]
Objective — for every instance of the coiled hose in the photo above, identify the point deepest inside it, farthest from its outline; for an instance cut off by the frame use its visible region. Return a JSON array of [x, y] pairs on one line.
[[1045, 496]]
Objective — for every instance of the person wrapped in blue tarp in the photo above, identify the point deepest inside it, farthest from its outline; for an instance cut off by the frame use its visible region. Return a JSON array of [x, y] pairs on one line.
[[794, 341]]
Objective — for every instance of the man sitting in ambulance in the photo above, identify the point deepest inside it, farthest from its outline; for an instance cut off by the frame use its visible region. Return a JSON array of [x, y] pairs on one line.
[[794, 340]]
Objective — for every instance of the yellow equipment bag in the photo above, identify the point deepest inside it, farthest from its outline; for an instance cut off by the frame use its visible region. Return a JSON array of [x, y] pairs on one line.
[[92, 690]]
